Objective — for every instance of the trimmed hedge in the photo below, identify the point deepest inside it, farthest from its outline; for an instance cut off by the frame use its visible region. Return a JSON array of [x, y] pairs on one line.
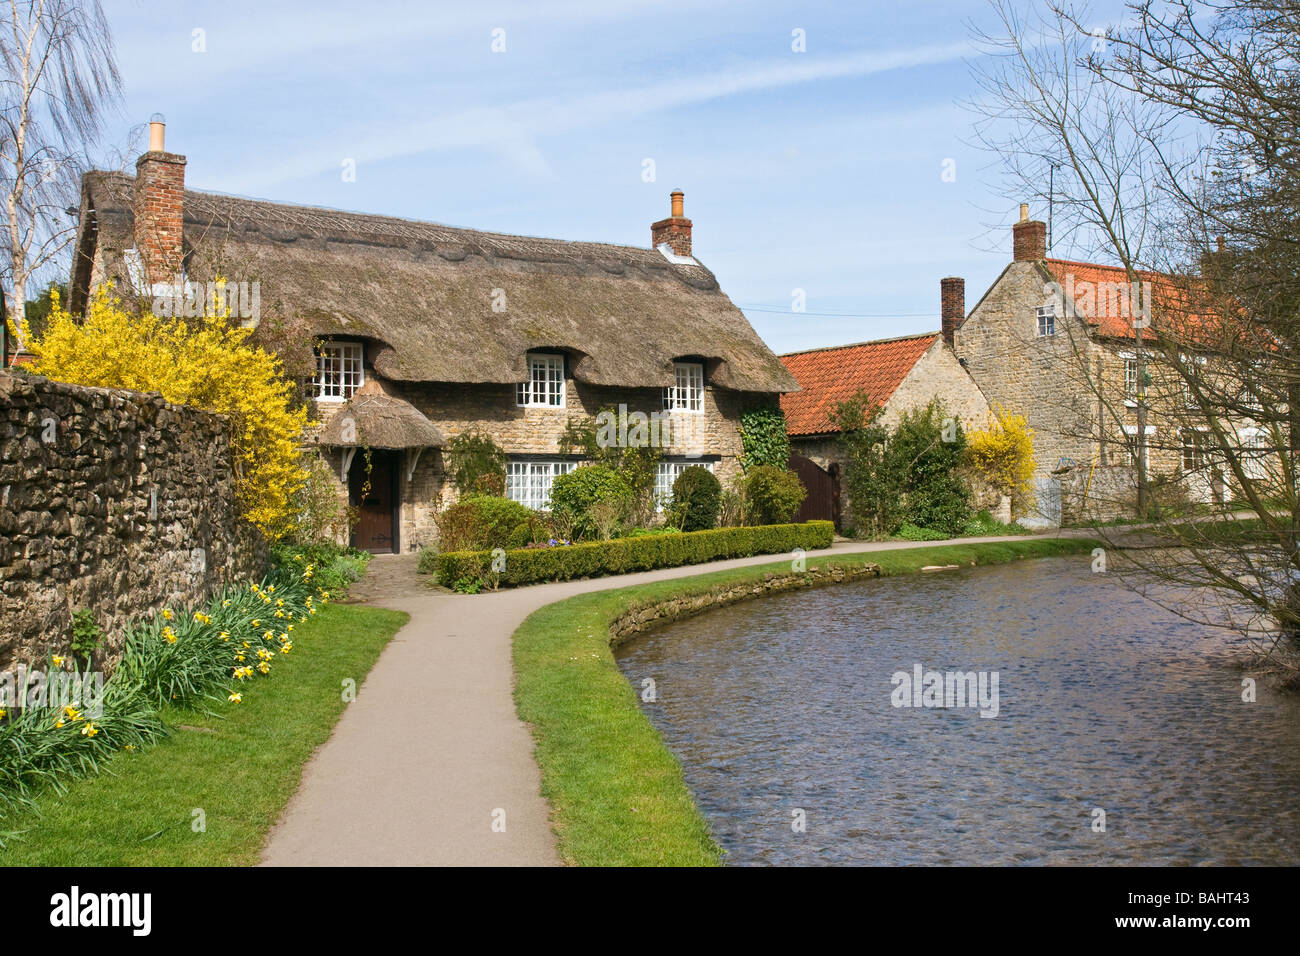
[[624, 555]]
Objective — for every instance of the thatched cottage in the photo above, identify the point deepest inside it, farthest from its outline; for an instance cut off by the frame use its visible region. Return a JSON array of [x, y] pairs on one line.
[[409, 333]]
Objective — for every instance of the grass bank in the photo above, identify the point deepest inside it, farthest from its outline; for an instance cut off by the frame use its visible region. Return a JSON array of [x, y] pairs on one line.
[[238, 765], [617, 794]]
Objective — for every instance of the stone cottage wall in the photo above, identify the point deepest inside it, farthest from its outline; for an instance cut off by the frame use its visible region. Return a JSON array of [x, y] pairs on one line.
[[110, 500]]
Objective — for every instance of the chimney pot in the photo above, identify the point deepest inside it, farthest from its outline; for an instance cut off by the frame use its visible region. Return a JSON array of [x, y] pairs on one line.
[[1028, 238], [675, 230], [952, 306]]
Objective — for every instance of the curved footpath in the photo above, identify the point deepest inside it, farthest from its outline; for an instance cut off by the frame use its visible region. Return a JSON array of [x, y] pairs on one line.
[[423, 762]]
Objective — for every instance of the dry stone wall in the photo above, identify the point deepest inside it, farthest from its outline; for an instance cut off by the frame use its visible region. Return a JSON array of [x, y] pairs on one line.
[[110, 500]]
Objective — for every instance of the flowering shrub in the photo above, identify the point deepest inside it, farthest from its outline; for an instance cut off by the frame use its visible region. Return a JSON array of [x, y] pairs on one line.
[[179, 657], [206, 363]]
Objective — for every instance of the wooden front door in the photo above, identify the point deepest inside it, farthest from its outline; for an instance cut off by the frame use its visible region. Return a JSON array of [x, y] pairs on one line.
[[374, 495]]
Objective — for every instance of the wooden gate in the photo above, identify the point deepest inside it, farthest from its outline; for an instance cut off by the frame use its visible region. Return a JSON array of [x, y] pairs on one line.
[[823, 501]]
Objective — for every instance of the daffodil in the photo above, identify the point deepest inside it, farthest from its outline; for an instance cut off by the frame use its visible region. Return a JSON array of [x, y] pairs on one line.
[[235, 698], [169, 634], [72, 713], [89, 730], [58, 661], [287, 647], [224, 635], [256, 622], [264, 667], [167, 615]]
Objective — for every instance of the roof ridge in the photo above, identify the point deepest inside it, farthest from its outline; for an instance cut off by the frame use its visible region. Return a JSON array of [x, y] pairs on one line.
[[272, 205], [854, 345]]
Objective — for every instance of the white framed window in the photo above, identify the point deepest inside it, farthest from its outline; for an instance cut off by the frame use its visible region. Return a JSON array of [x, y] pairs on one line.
[[1130, 379], [1193, 443], [1046, 320], [1126, 452], [529, 482], [686, 394], [1191, 365], [545, 385], [666, 473], [340, 371]]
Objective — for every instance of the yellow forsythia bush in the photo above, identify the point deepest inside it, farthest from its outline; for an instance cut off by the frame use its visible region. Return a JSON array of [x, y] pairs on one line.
[[203, 362], [1003, 453]]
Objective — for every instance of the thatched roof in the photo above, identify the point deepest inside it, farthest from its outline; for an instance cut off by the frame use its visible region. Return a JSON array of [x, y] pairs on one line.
[[424, 293], [380, 421]]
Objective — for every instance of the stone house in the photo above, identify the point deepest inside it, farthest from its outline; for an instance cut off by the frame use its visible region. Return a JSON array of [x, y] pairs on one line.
[[1057, 341], [897, 375], [407, 334]]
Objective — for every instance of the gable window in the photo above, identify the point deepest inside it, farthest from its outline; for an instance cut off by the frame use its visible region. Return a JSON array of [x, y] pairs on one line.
[[668, 472], [686, 394], [545, 385], [529, 482], [340, 371], [1046, 320], [1193, 449]]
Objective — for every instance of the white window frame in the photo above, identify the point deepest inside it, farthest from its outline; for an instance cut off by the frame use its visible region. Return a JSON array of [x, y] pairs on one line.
[[1130, 378], [1196, 361], [1202, 444], [1046, 321], [686, 394], [349, 370], [529, 481], [545, 387], [666, 472], [1129, 444]]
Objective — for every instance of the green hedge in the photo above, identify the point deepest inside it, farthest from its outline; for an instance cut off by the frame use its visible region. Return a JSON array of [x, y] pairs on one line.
[[624, 555]]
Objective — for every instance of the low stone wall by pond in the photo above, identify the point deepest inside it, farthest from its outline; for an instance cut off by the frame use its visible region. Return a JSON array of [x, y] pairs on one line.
[[641, 617], [114, 501]]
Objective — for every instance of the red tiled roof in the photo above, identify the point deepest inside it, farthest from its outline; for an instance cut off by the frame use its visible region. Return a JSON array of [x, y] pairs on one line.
[[1115, 321], [830, 376]]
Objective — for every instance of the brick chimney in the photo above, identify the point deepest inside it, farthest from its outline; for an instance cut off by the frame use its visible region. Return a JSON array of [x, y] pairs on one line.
[[952, 306], [1029, 238], [676, 229], [159, 193]]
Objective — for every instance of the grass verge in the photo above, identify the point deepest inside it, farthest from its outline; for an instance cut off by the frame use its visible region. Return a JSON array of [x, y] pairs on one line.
[[617, 795], [239, 764]]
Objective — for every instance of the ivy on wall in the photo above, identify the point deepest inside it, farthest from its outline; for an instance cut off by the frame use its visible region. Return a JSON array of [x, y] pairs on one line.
[[763, 438]]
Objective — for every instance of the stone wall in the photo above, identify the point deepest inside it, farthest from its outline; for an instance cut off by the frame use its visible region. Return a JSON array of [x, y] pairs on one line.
[[114, 501]]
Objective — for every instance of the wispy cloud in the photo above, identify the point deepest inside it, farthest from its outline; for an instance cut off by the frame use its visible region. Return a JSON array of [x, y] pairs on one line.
[[513, 129]]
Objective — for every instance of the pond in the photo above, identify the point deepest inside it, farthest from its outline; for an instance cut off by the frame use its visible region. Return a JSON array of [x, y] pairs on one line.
[[788, 715]]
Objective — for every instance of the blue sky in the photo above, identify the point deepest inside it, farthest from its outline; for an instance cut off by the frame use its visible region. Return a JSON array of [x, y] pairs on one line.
[[820, 170]]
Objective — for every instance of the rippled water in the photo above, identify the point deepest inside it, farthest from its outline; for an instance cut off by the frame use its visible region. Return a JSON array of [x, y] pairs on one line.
[[1106, 701]]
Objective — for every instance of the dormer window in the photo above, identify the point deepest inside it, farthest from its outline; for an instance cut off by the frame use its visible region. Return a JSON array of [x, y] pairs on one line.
[[545, 385], [340, 371], [686, 394]]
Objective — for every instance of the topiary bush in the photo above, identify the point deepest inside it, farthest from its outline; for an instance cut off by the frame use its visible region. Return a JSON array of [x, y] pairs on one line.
[[772, 495], [580, 500], [697, 496]]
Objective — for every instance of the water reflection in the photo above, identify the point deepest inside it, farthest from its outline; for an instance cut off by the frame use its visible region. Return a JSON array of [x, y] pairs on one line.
[[1106, 701]]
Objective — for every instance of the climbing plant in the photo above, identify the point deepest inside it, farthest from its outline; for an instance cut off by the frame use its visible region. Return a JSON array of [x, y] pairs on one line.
[[763, 438]]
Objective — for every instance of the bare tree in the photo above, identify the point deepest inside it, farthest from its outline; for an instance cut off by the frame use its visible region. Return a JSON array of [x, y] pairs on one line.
[[57, 74], [1172, 143]]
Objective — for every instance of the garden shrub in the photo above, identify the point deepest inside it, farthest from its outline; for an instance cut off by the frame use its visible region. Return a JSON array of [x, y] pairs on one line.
[[584, 498], [928, 448], [697, 496], [480, 521], [624, 555], [772, 495]]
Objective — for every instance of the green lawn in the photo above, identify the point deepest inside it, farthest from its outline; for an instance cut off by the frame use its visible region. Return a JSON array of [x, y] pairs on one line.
[[617, 794], [239, 765]]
